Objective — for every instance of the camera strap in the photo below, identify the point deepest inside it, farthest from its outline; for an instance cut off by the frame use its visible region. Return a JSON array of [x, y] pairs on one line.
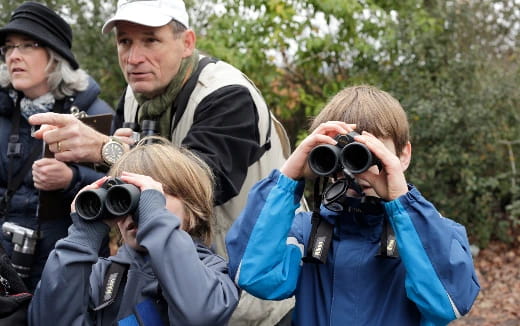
[[115, 278], [15, 151], [320, 237]]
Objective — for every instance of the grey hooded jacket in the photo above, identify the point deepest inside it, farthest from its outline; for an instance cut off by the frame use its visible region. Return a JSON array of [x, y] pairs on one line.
[[178, 282]]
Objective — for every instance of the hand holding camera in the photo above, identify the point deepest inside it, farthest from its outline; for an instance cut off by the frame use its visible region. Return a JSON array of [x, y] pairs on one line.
[[135, 132], [24, 241]]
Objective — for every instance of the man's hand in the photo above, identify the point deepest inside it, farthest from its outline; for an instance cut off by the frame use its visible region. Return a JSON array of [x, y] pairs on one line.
[[125, 135], [68, 138], [50, 174]]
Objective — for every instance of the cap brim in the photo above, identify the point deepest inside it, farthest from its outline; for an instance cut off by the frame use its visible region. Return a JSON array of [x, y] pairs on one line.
[[141, 15]]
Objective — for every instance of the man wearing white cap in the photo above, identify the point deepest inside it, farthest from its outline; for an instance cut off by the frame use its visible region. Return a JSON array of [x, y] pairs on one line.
[[198, 102]]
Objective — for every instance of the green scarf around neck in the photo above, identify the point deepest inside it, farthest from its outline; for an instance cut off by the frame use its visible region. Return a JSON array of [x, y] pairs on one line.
[[160, 108]]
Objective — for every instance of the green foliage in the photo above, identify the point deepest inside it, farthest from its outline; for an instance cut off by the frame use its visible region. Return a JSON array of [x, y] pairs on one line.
[[94, 51], [454, 66]]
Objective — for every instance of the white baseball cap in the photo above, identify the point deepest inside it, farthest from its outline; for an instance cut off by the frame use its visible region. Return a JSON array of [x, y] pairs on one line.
[[153, 13]]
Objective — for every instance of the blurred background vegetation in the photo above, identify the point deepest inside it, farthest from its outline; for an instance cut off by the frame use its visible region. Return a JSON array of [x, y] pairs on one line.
[[454, 65]]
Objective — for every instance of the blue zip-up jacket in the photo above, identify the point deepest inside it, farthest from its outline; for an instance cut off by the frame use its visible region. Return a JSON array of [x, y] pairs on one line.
[[178, 282], [24, 203], [432, 282]]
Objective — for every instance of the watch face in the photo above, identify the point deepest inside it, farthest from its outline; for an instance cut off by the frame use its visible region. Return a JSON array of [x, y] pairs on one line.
[[112, 151]]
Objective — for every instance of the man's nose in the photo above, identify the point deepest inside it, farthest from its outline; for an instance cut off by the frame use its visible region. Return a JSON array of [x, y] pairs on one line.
[[135, 54]]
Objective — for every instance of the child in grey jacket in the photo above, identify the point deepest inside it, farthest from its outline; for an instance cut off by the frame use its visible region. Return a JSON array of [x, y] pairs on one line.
[[172, 277]]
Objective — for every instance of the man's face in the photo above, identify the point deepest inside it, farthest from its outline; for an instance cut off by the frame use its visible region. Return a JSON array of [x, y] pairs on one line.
[[149, 57]]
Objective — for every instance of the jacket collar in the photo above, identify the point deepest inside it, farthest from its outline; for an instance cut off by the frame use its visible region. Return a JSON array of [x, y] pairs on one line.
[[353, 221]]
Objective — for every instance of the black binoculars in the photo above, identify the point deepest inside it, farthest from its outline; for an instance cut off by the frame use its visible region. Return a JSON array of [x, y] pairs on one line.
[[114, 198], [147, 128], [347, 154]]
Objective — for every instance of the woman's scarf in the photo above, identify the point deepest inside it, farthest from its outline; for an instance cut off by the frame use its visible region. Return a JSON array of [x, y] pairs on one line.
[[28, 107], [159, 108]]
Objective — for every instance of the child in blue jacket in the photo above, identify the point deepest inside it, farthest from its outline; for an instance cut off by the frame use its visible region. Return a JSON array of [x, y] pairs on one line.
[[376, 252]]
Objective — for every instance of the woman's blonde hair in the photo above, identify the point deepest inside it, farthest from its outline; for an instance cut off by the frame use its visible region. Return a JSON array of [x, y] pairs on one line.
[[372, 110], [182, 174]]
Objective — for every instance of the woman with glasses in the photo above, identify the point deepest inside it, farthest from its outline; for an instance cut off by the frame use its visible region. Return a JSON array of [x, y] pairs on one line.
[[39, 73]]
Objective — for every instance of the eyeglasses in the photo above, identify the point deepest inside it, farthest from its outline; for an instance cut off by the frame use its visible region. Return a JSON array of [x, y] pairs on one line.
[[24, 48]]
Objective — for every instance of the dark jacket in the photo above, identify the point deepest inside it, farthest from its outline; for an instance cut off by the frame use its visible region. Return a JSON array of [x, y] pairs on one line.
[[178, 282], [23, 205]]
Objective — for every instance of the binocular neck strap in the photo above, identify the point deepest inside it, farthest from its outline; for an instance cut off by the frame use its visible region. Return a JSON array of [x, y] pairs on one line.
[[388, 244], [115, 279], [321, 231]]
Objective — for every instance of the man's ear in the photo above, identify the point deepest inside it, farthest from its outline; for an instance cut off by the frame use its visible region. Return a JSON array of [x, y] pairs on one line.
[[189, 39], [406, 156]]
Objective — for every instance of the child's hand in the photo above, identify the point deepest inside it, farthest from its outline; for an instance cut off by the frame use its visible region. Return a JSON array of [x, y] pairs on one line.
[[143, 182], [95, 185], [390, 182], [296, 166]]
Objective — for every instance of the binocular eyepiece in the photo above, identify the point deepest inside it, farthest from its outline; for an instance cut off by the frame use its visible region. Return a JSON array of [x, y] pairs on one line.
[[114, 198], [347, 154]]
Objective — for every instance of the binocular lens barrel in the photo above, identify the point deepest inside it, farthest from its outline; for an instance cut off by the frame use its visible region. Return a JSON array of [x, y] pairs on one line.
[[149, 128], [90, 203], [122, 199], [113, 199], [356, 157], [323, 160]]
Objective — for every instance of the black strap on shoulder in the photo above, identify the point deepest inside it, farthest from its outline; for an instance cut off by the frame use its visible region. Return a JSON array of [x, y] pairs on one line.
[[388, 244], [267, 145], [115, 278], [181, 101], [320, 237], [15, 150]]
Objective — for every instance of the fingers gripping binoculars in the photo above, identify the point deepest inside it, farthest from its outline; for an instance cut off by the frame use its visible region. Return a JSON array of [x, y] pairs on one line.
[[114, 198], [347, 154]]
